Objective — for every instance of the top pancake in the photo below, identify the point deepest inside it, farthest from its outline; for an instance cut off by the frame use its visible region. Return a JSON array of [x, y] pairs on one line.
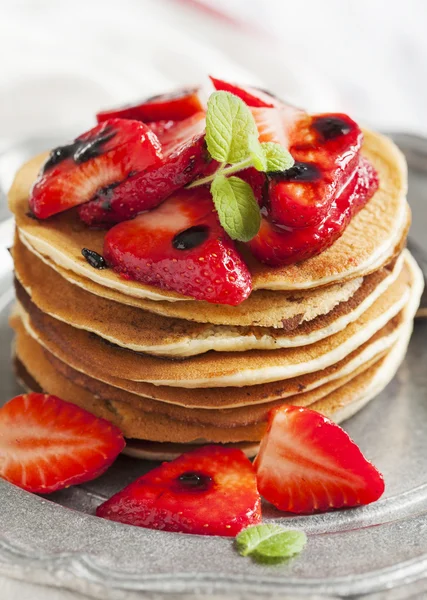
[[369, 242]]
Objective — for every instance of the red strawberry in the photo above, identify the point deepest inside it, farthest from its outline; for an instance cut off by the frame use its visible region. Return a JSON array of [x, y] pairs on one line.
[[277, 246], [307, 463], [175, 106], [185, 157], [251, 96], [209, 491], [275, 124], [100, 158], [181, 246], [326, 151], [257, 181], [47, 444]]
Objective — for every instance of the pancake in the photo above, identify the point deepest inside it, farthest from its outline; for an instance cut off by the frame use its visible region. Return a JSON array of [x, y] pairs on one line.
[[343, 404], [281, 310], [27, 350], [141, 449], [142, 331], [371, 240], [217, 369], [229, 397], [136, 423]]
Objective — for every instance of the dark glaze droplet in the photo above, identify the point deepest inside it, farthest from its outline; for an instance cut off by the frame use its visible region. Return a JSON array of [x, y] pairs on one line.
[[106, 195], [195, 482], [94, 259], [190, 238], [331, 127], [31, 215], [80, 150], [93, 147], [299, 172]]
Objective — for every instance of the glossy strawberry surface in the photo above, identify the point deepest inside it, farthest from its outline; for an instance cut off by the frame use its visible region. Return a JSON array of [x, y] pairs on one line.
[[101, 158], [251, 96], [209, 491], [326, 152], [181, 246], [174, 106], [307, 463], [47, 444], [184, 158], [276, 245]]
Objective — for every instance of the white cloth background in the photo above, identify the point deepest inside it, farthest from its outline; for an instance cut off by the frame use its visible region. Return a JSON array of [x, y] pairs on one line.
[[61, 60]]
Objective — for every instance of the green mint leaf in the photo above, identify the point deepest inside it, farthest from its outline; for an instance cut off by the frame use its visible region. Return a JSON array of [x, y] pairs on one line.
[[270, 542], [236, 206], [257, 154], [229, 123], [277, 157]]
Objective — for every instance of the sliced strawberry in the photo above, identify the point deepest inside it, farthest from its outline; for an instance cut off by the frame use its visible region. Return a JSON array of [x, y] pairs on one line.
[[276, 245], [181, 246], [175, 106], [102, 157], [251, 96], [185, 157], [307, 463], [47, 444], [326, 151], [209, 491]]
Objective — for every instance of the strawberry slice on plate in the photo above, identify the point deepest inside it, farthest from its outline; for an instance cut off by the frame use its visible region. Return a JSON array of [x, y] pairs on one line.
[[307, 463], [209, 491], [185, 157], [47, 444], [97, 160], [181, 246], [174, 106]]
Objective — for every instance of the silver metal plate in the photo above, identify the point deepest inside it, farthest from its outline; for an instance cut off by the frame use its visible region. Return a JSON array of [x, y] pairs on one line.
[[378, 551]]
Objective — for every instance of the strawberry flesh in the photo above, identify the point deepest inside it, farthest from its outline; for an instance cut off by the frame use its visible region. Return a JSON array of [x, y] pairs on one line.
[[175, 106], [47, 444], [276, 245], [307, 463], [184, 158], [100, 158], [209, 491], [181, 246]]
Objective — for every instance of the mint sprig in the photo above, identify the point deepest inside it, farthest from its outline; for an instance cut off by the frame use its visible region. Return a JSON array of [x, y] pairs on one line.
[[232, 140], [236, 206], [229, 124], [270, 542]]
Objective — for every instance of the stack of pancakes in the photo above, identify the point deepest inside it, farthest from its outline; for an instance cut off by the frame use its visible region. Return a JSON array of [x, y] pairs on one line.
[[328, 333]]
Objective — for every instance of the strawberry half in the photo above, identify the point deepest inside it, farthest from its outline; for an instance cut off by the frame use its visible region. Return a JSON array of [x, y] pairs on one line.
[[184, 158], [251, 96], [175, 106], [276, 245], [47, 444], [307, 463], [326, 152], [181, 246], [97, 160], [209, 491]]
